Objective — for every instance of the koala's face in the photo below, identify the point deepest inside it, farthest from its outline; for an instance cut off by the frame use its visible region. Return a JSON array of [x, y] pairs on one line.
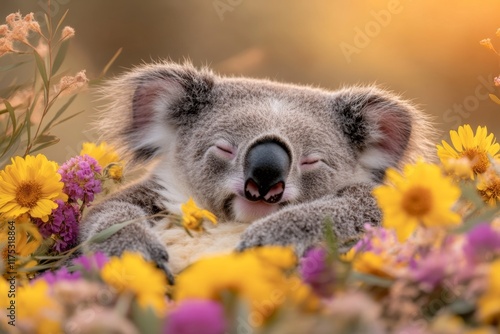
[[259, 147], [245, 148]]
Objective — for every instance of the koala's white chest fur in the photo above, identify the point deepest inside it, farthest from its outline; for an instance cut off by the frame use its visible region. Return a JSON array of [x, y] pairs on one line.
[[184, 250]]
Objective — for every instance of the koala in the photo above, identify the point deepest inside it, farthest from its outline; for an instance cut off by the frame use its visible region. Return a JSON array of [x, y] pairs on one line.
[[272, 161]]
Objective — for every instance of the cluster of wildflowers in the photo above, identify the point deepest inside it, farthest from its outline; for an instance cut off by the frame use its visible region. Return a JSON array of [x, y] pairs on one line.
[[45, 202]]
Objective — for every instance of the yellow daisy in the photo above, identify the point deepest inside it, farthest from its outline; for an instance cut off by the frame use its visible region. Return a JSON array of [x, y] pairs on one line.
[[255, 275], [475, 148], [106, 157], [27, 240], [489, 187], [488, 306], [30, 185], [131, 273], [421, 196], [36, 310], [193, 216]]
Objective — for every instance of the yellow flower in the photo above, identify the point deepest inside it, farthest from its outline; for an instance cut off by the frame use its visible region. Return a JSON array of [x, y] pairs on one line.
[[257, 275], [106, 157], [131, 273], [489, 187], [421, 196], [30, 186], [193, 216], [473, 147], [37, 311], [461, 167], [26, 238], [488, 304], [378, 264]]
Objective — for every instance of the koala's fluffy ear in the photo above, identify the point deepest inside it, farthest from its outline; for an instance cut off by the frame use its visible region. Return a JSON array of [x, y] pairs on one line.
[[148, 104], [382, 128]]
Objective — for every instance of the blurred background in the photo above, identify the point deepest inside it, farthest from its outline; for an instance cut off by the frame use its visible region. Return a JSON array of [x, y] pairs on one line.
[[426, 50]]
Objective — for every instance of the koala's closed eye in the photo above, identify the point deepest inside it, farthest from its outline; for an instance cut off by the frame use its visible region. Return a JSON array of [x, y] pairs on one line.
[[224, 149], [310, 162]]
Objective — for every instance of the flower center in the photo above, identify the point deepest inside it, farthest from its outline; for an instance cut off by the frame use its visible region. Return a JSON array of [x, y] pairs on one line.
[[417, 201], [478, 158], [28, 194]]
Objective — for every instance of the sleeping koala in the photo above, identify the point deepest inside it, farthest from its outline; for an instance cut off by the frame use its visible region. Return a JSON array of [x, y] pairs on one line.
[[272, 161]]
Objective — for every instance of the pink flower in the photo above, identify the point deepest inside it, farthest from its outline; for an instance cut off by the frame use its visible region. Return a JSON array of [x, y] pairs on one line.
[[316, 271], [81, 178], [64, 224], [196, 316]]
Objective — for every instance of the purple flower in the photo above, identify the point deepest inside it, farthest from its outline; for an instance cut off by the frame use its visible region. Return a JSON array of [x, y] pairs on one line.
[[63, 224], [383, 238], [432, 270], [79, 177], [316, 271], [482, 242], [90, 262], [196, 316], [53, 277]]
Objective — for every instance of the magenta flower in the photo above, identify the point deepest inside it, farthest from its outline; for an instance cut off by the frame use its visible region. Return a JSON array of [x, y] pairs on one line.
[[432, 270], [90, 262], [63, 223], [482, 243], [317, 272], [53, 277], [196, 316], [80, 177]]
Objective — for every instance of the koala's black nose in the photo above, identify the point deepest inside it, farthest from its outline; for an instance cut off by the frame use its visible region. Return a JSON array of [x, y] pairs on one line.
[[266, 167]]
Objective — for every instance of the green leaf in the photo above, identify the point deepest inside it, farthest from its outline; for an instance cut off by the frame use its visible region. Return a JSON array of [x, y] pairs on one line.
[[48, 23], [40, 63], [105, 234], [12, 66], [371, 279], [61, 21], [28, 117], [330, 238], [43, 138], [494, 98], [146, 319], [61, 54], [13, 145], [59, 113], [462, 307], [45, 144], [67, 118], [470, 193], [12, 115], [110, 62], [485, 216], [49, 257], [10, 88]]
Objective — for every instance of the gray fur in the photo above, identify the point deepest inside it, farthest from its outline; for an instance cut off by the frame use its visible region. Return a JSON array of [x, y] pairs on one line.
[[176, 116]]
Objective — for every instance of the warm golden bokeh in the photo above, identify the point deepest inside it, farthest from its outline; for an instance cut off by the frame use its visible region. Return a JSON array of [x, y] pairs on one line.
[[427, 50]]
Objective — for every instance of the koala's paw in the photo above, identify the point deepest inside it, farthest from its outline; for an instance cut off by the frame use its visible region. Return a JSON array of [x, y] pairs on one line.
[[267, 233], [140, 241]]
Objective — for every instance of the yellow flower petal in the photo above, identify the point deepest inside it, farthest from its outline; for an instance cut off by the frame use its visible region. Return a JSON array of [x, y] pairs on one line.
[[30, 185]]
